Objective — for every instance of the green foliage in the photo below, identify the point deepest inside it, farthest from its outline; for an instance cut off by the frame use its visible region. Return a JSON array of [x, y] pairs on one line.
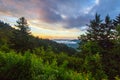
[[90, 48], [30, 67], [43, 59], [100, 32], [15, 67], [4, 48], [101, 37], [20, 39], [111, 58], [118, 32], [57, 48], [93, 64], [117, 78]]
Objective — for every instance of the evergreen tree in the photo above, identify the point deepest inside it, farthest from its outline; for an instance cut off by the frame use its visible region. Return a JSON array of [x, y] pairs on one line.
[[100, 32], [20, 39], [94, 27], [117, 24], [101, 38], [117, 20]]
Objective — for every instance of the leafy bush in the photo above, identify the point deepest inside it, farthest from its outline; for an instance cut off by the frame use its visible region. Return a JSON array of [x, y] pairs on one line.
[[31, 67]]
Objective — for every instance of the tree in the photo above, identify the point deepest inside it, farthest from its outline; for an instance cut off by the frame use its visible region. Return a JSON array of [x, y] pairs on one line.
[[92, 32], [101, 38], [118, 32], [117, 24], [117, 20], [100, 32], [5, 34], [22, 25], [20, 40]]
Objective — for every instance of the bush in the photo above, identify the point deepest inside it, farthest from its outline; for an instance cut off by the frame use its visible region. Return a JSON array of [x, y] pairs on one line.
[[31, 67]]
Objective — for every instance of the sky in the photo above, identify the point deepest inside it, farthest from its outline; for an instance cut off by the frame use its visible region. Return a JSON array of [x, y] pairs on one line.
[[57, 19]]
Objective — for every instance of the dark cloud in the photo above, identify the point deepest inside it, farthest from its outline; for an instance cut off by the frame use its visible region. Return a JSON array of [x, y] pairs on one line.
[[72, 13], [78, 22], [48, 8], [54, 9]]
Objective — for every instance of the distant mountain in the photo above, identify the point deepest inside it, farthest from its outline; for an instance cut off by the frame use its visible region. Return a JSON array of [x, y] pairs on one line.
[[69, 43]]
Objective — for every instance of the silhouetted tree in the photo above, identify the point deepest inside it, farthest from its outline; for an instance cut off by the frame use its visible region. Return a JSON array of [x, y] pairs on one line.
[[100, 32], [117, 20], [22, 25], [20, 39]]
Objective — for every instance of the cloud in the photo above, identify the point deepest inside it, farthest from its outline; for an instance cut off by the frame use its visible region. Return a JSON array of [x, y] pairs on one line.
[[69, 13], [78, 22], [105, 7]]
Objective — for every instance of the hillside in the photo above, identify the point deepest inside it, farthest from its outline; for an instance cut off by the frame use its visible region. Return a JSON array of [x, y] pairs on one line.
[[26, 57], [20, 42]]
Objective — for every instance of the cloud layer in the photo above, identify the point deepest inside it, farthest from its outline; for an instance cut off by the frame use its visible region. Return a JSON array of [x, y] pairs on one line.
[[69, 13], [73, 13]]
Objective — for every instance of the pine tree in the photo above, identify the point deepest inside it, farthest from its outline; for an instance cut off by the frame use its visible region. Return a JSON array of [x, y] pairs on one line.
[[117, 20], [22, 25], [94, 27], [100, 32], [20, 40]]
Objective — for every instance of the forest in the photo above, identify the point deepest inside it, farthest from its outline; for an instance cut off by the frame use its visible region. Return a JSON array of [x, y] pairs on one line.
[[26, 57]]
